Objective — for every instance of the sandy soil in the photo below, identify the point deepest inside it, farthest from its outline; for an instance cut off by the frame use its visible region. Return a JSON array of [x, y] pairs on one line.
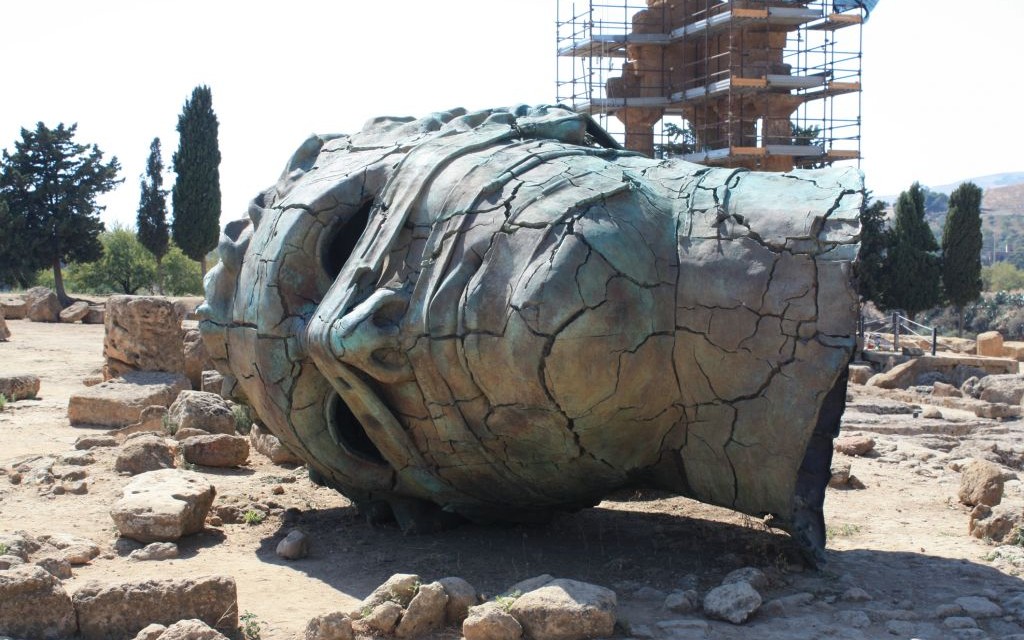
[[903, 538]]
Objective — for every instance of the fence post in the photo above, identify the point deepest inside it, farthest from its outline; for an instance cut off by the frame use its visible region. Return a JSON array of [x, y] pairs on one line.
[[895, 331], [935, 335]]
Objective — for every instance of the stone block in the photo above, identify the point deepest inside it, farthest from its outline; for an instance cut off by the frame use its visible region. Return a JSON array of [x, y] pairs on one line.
[[119, 402]]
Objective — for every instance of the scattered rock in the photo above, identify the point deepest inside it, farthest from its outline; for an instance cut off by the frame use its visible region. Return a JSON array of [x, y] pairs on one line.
[[1005, 388], [57, 567], [400, 588], [202, 410], [163, 505], [33, 604], [293, 546], [855, 594], [785, 605], [425, 613], [269, 445], [188, 432], [330, 626], [155, 551], [683, 601], [143, 333], [145, 452], [191, 630], [7, 561], [119, 402], [87, 442], [5, 333], [150, 632], [213, 382], [197, 359], [732, 602], [41, 305], [960, 622], [74, 549], [461, 596], [121, 610], [981, 482], [943, 390], [566, 610], [854, 619], [490, 621], [751, 575], [979, 607], [840, 471], [20, 544], [216, 450], [854, 445], [18, 386], [75, 312], [996, 410], [97, 315], [994, 523], [382, 619], [860, 373]]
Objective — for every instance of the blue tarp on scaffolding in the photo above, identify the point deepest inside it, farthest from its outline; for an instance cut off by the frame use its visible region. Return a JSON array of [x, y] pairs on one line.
[[846, 5]]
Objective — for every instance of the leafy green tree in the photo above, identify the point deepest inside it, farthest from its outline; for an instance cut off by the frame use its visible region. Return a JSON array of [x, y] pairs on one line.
[[13, 268], [196, 194], [152, 219], [874, 247], [1002, 276], [961, 249], [50, 184], [934, 201], [182, 276], [914, 269]]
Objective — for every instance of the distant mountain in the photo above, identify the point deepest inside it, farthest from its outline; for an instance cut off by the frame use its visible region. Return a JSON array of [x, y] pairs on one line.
[[993, 181], [1007, 200]]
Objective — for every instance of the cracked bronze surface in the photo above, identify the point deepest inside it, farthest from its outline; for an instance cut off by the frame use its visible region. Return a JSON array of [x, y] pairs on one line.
[[486, 314]]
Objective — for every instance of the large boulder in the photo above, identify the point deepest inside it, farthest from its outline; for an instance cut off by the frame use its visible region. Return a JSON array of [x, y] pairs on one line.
[[461, 596], [202, 410], [145, 452], [566, 610], [330, 626], [990, 344], [33, 604], [197, 359], [143, 333], [121, 610], [994, 523], [13, 308], [191, 629], [15, 386], [120, 401], [1007, 388], [76, 311], [163, 505], [981, 482], [42, 305], [216, 450], [97, 315]]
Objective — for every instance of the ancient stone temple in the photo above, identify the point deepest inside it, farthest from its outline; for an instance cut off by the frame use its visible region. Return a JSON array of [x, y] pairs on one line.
[[499, 315]]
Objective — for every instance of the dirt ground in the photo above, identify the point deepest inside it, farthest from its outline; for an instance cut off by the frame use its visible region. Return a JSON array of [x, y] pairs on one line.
[[902, 539]]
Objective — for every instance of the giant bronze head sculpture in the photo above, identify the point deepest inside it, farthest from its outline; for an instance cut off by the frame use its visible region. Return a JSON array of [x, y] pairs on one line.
[[496, 315]]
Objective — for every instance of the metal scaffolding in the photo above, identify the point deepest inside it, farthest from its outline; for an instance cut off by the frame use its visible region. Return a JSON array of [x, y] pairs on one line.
[[766, 84]]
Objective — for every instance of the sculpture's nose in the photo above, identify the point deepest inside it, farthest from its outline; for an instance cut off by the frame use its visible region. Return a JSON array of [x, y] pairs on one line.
[[367, 337]]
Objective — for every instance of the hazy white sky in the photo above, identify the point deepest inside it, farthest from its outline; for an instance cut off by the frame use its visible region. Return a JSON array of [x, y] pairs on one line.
[[941, 77]]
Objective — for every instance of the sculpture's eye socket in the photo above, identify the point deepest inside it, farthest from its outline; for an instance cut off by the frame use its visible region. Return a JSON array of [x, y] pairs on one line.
[[339, 241], [348, 433]]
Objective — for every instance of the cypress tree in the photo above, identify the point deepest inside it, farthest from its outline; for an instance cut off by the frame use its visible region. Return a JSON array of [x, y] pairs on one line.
[[961, 249], [874, 244], [914, 270], [196, 194], [152, 219]]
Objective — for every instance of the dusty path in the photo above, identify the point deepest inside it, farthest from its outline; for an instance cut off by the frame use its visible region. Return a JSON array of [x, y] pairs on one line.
[[902, 539]]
